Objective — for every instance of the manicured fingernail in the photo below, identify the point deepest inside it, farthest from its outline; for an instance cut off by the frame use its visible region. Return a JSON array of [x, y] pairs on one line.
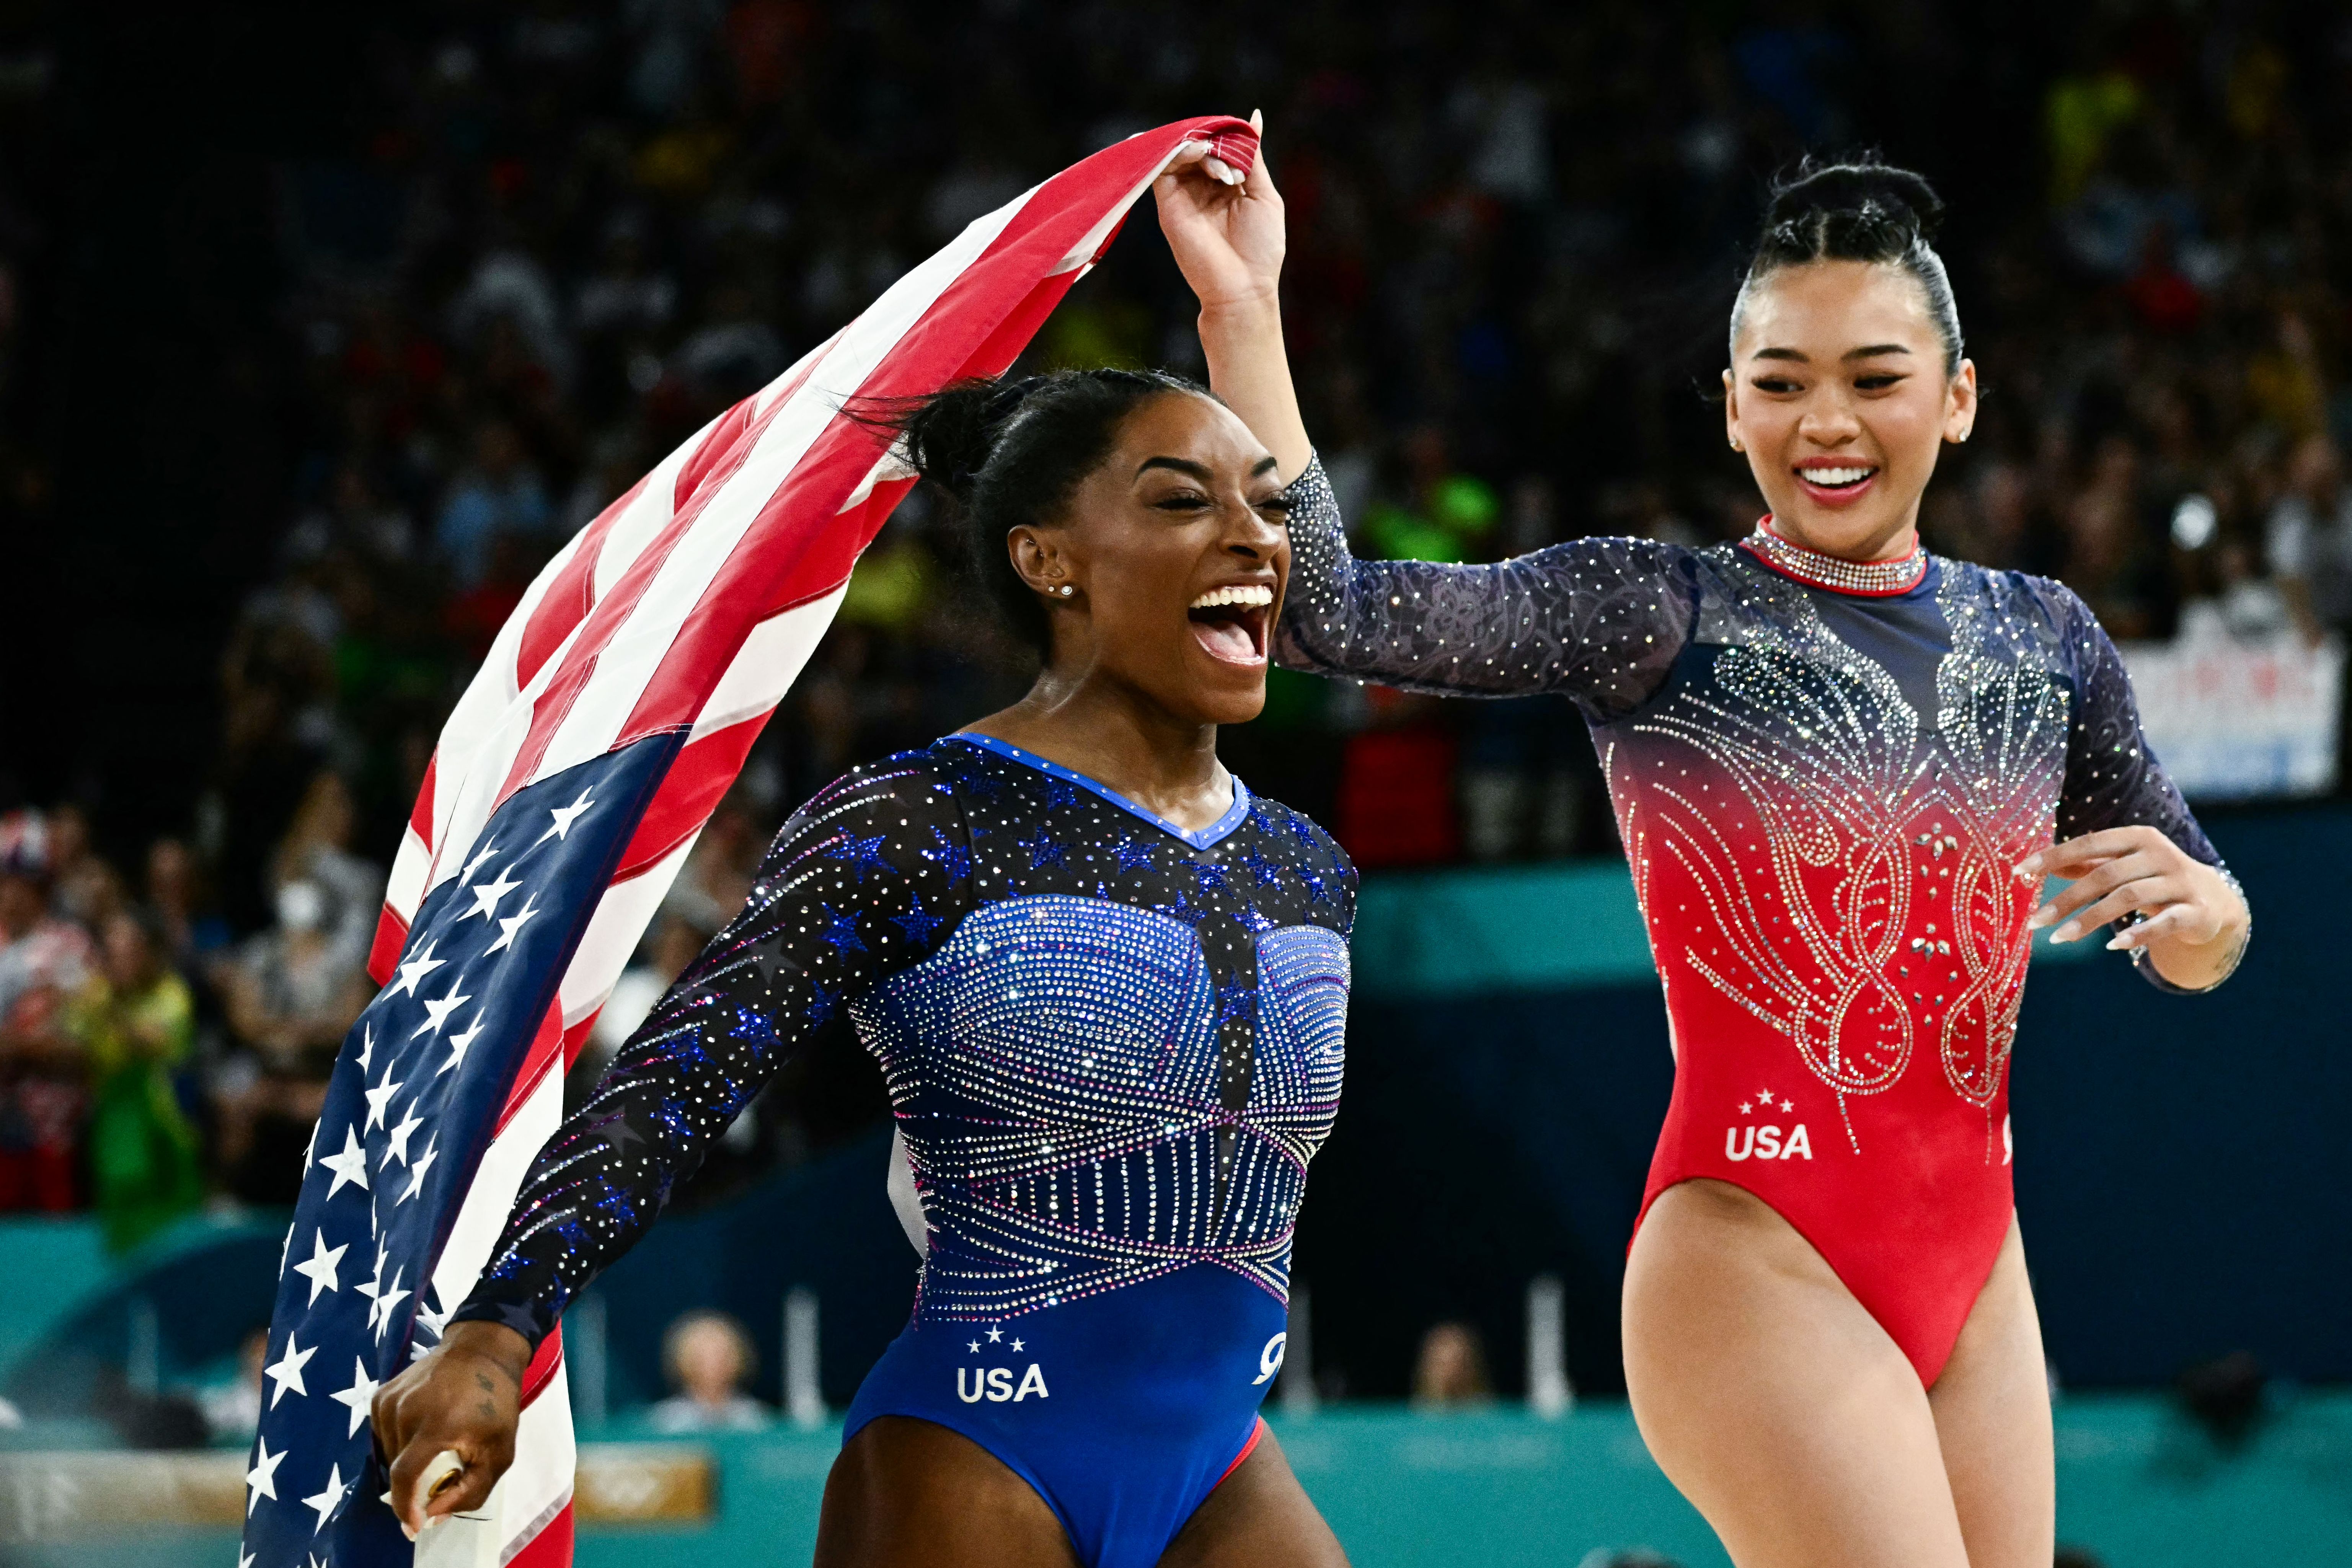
[[2119, 941], [2027, 869], [2066, 933], [2040, 917]]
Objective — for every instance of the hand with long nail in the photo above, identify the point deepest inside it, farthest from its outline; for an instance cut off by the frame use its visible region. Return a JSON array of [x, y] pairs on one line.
[[2192, 922]]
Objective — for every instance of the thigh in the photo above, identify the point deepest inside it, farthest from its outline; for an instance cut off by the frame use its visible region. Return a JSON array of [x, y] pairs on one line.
[[1993, 1419], [1778, 1405], [1259, 1517], [906, 1493]]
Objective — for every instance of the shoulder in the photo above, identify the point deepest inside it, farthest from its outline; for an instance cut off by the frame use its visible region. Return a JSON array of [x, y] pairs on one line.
[[1304, 841], [875, 805]]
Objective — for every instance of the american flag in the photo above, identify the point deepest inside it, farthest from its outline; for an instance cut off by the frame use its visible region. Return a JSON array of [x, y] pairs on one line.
[[616, 708]]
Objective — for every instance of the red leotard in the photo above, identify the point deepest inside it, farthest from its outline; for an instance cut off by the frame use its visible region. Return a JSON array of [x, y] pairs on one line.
[[1824, 774]]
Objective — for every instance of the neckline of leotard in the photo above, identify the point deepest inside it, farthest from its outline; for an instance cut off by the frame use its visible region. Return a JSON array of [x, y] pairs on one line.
[[1199, 839], [1864, 579]]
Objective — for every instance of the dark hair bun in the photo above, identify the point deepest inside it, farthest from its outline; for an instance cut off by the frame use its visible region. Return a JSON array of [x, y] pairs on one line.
[[950, 435], [1864, 211]]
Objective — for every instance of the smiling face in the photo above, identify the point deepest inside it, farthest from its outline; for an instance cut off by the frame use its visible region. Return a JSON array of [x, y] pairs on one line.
[[1837, 394], [1176, 549]]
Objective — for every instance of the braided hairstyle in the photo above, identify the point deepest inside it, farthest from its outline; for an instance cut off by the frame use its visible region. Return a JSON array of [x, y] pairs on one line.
[[1861, 211], [1011, 453]]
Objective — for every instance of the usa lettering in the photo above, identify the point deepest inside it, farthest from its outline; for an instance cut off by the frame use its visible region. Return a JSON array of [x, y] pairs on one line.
[[1766, 1143], [995, 1385]]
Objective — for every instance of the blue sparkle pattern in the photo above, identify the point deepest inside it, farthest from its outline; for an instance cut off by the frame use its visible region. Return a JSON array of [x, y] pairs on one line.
[[900, 897]]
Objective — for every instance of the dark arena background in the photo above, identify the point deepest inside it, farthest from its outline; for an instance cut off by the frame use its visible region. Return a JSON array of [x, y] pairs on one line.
[[321, 327]]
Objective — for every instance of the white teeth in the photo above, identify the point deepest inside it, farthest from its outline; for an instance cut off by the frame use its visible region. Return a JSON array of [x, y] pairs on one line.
[[1838, 476], [1247, 593]]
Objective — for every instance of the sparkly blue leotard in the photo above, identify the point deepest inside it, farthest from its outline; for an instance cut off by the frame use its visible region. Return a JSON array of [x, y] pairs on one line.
[[1112, 1045]]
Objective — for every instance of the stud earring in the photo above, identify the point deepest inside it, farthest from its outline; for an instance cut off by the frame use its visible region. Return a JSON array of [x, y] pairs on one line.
[[1066, 590]]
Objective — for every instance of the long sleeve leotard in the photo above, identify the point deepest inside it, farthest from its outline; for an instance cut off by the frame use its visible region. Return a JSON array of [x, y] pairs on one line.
[[1112, 1046], [1823, 773]]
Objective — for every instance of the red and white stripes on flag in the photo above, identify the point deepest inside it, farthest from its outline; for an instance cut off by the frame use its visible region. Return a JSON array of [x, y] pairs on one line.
[[690, 605]]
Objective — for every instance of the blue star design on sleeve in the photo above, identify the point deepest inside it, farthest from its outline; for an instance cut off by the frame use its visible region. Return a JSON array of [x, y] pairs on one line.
[[822, 1003], [618, 1203], [1133, 852], [950, 857], [675, 1121], [862, 854], [1263, 870], [841, 930], [917, 923], [1044, 849], [756, 1026]]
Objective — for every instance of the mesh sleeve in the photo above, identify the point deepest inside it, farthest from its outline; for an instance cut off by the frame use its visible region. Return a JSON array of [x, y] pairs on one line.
[[1599, 620], [2113, 778], [867, 879]]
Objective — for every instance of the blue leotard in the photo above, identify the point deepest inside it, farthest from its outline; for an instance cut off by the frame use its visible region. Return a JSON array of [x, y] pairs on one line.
[[1112, 1046]]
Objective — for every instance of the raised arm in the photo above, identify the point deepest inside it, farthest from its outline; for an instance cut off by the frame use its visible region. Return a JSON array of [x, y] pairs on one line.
[[1599, 619], [2126, 837], [865, 879]]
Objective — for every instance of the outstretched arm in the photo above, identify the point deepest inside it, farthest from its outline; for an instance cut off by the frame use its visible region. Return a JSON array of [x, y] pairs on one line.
[[2128, 842], [846, 896]]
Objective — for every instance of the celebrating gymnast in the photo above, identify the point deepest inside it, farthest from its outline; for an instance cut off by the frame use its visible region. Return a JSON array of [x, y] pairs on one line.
[[1841, 767], [1107, 986]]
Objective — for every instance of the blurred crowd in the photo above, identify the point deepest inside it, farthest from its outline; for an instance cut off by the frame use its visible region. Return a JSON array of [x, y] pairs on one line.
[[558, 236]]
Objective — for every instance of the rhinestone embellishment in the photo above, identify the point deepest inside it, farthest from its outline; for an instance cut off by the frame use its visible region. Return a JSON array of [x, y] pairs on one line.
[[1818, 571]]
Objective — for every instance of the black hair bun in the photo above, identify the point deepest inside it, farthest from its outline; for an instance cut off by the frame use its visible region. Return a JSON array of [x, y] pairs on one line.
[[1853, 199], [950, 434]]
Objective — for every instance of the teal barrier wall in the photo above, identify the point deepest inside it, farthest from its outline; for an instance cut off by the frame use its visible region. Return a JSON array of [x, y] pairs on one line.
[[2135, 1484]]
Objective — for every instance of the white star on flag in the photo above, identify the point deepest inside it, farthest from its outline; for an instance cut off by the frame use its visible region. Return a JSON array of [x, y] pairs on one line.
[[397, 1148], [415, 969], [431, 1321], [458, 1042], [261, 1482], [328, 1498], [351, 1166], [378, 1098], [387, 1297], [320, 1269], [367, 1047], [489, 896], [512, 924], [565, 817], [288, 1372], [436, 1013], [416, 1172], [245, 1560], [485, 852], [359, 1398]]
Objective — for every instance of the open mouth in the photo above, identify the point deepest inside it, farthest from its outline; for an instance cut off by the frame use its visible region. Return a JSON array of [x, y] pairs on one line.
[[1230, 623], [1835, 484]]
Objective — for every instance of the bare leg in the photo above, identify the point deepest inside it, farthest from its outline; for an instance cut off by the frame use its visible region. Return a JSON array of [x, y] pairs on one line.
[[1992, 1416], [1779, 1406], [1259, 1518], [908, 1494]]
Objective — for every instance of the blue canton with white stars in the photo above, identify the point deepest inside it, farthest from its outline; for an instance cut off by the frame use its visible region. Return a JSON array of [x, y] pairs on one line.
[[411, 1105]]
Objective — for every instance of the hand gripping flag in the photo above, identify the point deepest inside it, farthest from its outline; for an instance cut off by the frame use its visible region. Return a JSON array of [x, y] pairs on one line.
[[616, 707]]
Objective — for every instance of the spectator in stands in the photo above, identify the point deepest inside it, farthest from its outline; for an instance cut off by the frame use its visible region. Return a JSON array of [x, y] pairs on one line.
[[191, 934], [135, 1022], [2311, 540], [43, 961], [500, 495], [317, 850], [1452, 1370], [292, 994], [708, 1358]]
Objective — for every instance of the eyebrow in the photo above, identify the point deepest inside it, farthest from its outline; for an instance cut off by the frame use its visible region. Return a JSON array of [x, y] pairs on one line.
[[1198, 470], [1870, 353], [1182, 465]]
